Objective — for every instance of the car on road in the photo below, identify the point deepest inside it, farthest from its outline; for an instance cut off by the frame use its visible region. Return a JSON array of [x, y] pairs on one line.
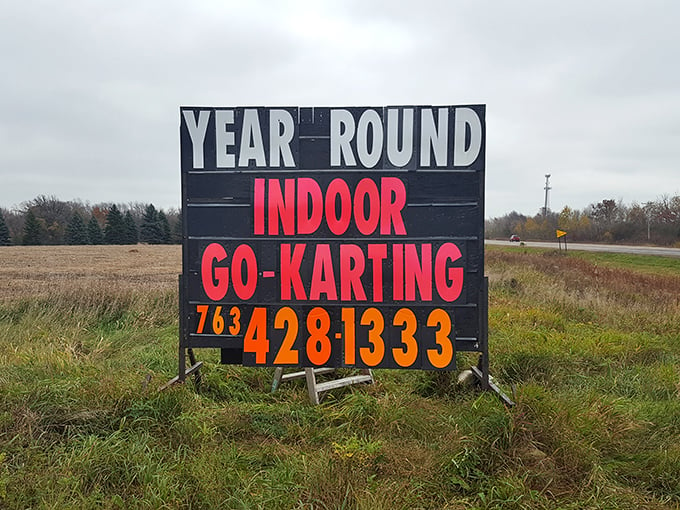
[[514, 238]]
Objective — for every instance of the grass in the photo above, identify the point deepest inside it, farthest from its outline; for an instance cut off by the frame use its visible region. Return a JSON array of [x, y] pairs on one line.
[[648, 264], [590, 345]]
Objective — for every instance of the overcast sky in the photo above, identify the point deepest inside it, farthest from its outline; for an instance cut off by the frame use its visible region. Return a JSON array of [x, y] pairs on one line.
[[588, 91]]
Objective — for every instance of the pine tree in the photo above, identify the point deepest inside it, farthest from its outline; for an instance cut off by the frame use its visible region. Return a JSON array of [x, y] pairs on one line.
[[131, 232], [4, 232], [114, 230], [151, 229], [32, 230], [76, 231], [164, 226], [94, 231]]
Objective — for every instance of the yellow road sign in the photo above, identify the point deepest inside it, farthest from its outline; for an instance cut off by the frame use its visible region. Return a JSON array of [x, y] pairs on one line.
[[560, 233]]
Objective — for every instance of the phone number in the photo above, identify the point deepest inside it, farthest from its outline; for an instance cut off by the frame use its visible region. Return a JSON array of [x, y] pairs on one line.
[[347, 336]]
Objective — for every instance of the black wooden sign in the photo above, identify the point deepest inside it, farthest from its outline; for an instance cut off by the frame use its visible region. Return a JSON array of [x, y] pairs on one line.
[[334, 236]]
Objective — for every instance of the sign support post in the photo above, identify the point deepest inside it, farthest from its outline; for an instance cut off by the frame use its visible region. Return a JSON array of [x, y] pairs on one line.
[[481, 371], [561, 234], [195, 367]]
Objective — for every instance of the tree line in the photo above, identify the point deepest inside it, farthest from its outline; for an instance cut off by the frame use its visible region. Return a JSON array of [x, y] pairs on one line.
[[46, 220], [609, 221]]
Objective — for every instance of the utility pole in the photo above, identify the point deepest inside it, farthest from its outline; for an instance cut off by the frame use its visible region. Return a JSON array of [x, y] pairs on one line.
[[648, 214], [547, 188]]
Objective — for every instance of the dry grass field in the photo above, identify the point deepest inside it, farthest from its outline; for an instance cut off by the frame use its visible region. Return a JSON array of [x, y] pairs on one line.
[[37, 271]]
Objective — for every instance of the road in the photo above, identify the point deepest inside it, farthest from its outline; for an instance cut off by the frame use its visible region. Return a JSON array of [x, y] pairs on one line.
[[612, 248]]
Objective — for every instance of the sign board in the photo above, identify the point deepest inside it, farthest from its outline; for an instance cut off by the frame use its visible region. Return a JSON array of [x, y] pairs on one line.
[[560, 233], [334, 236]]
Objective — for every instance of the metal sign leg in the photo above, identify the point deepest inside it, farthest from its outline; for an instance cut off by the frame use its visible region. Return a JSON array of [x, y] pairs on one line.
[[481, 371], [182, 370], [316, 388]]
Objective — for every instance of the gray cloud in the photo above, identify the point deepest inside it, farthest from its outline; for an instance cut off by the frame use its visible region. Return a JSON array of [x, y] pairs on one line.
[[586, 91]]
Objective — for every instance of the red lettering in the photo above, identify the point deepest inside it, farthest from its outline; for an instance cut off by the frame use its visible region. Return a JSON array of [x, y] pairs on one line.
[[398, 272], [392, 201], [377, 253], [415, 272], [244, 254], [323, 277], [258, 207], [352, 265], [338, 189], [308, 191], [290, 272], [215, 279], [368, 204], [367, 224], [280, 208], [449, 281]]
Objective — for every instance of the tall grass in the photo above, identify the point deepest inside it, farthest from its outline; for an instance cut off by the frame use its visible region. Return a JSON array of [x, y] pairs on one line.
[[591, 350]]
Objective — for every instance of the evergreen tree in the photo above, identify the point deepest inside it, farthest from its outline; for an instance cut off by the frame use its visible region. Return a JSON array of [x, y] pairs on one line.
[[4, 232], [76, 231], [151, 229], [164, 225], [131, 232], [32, 230], [114, 230], [94, 231]]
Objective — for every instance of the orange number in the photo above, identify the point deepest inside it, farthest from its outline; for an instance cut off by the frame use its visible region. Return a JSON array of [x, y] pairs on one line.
[[255, 339], [286, 318], [350, 335], [373, 356], [203, 310], [442, 356], [406, 355], [218, 321], [235, 315], [318, 343]]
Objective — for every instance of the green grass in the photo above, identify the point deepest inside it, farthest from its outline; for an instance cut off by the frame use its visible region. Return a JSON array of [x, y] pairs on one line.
[[590, 346], [651, 264], [669, 266]]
